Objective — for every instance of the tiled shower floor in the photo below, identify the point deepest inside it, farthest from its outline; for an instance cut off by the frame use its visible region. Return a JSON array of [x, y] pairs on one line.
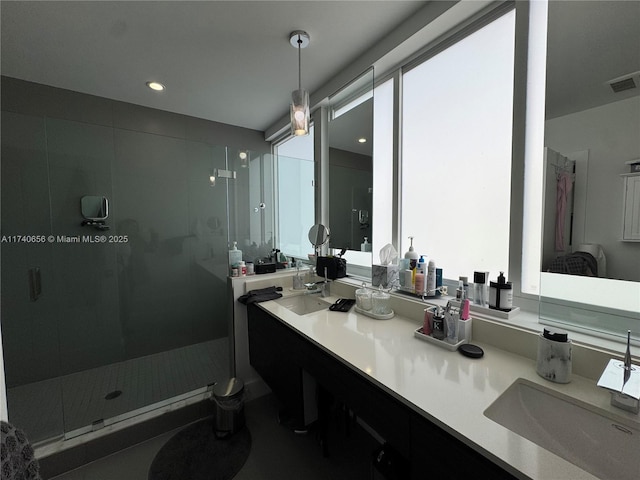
[[45, 409]]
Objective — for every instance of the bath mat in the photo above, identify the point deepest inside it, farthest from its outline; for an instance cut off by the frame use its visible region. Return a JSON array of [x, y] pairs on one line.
[[195, 453]]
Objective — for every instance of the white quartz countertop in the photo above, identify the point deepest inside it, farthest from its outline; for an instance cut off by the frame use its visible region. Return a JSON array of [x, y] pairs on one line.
[[445, 387]]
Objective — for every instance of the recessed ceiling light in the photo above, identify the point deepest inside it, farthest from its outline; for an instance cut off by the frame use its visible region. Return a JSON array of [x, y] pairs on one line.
[[362, 140], [157, 86]]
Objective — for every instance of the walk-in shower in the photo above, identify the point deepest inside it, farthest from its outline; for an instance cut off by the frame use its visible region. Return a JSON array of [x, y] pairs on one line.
[[131, 310]]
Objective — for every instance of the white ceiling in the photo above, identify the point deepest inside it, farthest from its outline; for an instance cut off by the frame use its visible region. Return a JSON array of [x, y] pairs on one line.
[[229, 62], [589, 43]]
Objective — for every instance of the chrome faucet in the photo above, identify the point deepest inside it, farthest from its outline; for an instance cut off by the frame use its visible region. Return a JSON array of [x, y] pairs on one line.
[[321, 287], [622, 379]]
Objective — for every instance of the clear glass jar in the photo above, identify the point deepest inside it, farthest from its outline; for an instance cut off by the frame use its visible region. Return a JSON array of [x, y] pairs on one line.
[[381, 302], [364, 298]]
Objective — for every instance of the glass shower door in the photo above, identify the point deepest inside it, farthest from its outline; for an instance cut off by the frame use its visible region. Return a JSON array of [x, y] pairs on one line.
[[31, 346]]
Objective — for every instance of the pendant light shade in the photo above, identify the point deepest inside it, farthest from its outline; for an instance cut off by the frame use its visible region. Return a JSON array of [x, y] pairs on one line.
[[300, 114]]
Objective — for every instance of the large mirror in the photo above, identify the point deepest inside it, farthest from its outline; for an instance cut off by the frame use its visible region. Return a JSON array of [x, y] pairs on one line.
[[351, 165], [591, 131]]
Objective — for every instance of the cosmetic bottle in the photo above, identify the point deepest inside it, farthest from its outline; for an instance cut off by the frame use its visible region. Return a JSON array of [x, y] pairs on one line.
[[464, 322], [413, 257], [460, 291], [439, 325], [465, 287], [421, 268], [242, 268], [480, 289], [431, 278], [428, 321], [408, 279], [411, 254], [501, 294], [422, 265], [419, 285]]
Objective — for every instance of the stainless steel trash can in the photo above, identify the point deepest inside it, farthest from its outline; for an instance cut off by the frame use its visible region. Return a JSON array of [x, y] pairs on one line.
[[229, 398]]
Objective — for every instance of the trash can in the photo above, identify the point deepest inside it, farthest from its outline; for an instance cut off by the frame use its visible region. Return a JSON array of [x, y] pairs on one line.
[[229, 398]]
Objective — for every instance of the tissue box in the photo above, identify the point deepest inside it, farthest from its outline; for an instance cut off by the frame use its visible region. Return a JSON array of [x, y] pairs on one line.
[[385, 275]]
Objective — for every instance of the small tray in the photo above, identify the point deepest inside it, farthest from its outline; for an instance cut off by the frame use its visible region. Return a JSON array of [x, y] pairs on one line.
[[374, 315], [489, 312], [342, 305], [452, 347]]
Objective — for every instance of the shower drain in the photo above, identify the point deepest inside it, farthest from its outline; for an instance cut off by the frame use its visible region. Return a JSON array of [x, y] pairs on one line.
[[112, 395]]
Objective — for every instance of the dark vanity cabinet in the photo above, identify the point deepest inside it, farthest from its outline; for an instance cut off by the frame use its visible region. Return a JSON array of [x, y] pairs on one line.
[[280, 355], [274, 353]]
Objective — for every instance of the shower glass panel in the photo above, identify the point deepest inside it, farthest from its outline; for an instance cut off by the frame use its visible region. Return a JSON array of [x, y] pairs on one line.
[[30, 337], [134, 317]]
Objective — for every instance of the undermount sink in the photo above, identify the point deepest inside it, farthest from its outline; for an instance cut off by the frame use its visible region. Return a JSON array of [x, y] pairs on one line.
[[303, 304], [593, 439]]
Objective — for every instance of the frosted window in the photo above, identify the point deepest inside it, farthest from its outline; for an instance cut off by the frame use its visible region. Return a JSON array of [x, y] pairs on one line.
[[296, 211], [456, 152], [382, 167]]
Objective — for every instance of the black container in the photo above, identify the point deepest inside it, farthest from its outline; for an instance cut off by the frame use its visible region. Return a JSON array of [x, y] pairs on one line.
[[336, 267], [264, 268]]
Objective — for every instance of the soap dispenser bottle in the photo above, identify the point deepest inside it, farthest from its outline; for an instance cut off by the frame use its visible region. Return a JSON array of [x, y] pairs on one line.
[[501, 294], [366, 246], [235, 255]]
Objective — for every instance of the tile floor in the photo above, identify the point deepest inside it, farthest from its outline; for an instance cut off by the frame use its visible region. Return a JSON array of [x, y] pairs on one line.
[[276, 453], [44, 409]]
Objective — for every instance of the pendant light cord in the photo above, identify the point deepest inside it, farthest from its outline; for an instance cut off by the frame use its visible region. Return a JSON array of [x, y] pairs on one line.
[[299, 64]]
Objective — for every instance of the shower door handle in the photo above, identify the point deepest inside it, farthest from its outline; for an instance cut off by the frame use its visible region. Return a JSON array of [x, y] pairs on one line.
[[35, 284]]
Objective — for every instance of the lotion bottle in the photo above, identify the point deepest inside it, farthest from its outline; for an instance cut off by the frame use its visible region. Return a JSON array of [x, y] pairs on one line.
[[235, 255]]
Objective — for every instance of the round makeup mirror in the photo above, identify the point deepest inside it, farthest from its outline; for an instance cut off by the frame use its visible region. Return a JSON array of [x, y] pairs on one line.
[[318, 235]]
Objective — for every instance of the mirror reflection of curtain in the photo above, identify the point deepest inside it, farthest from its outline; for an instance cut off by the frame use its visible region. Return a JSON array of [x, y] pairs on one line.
[[558, 206]]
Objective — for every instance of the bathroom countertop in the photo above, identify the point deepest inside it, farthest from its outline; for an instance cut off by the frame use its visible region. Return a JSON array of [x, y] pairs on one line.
[[445, 387]]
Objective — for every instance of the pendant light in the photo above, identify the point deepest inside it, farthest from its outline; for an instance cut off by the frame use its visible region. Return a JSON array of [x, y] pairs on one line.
[[299, 97]]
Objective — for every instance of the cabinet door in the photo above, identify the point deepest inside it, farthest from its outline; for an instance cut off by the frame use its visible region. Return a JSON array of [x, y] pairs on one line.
[[272, 352], [385, 414], [631, 215], [437, 454]]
